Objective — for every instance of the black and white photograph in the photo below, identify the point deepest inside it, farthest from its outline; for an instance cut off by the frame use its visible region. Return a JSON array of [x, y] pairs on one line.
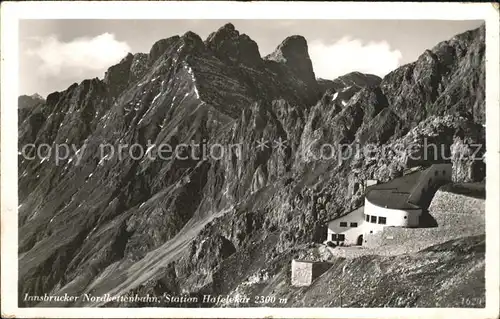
[[226, 163]]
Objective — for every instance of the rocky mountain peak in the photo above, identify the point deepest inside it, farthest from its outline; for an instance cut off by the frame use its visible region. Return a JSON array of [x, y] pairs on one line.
[[37, 96], [26, 103], [231, 46], [293, 52], [160, 47], [129, 57], [227, 28], [117, 76], [193, 40], [293, 46], [445, 80]]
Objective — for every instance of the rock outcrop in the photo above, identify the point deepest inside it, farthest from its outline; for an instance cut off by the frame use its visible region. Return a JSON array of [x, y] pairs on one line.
[[27, 104], [233, 48]]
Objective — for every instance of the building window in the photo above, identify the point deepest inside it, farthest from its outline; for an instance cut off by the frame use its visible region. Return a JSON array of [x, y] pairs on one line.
[[373, 219], [436, 173], [354, 224], [382, 220], [444, 172], [334, 237], [343, 224], [367, 218], [341, 237]]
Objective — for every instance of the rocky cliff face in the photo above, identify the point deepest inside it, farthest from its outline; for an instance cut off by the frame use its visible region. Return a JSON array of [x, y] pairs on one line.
[[115, 218]]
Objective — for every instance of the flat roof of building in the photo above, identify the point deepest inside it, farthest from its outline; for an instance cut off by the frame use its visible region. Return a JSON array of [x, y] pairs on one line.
[[311, 261], [395, 193], [355, 214]]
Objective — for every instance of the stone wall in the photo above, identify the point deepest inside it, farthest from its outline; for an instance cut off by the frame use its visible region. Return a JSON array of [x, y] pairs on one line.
[[446, 201], [375, 239]]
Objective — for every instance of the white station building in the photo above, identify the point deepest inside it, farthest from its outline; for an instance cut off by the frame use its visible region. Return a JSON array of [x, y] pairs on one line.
[[397, 203]]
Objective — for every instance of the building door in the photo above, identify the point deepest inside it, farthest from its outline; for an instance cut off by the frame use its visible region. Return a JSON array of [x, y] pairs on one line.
[[360, 240], [340, 238]]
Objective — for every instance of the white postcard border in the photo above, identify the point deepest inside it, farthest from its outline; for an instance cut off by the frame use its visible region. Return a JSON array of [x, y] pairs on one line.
[[12, 12]]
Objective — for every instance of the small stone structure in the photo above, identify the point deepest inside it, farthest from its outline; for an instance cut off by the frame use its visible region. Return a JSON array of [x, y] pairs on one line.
[[305, 272]]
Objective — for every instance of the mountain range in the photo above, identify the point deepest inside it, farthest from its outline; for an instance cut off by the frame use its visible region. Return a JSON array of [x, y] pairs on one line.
[[231, 224]]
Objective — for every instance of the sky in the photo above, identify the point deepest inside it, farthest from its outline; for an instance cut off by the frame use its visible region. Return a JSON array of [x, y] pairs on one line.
[[53, 54]]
